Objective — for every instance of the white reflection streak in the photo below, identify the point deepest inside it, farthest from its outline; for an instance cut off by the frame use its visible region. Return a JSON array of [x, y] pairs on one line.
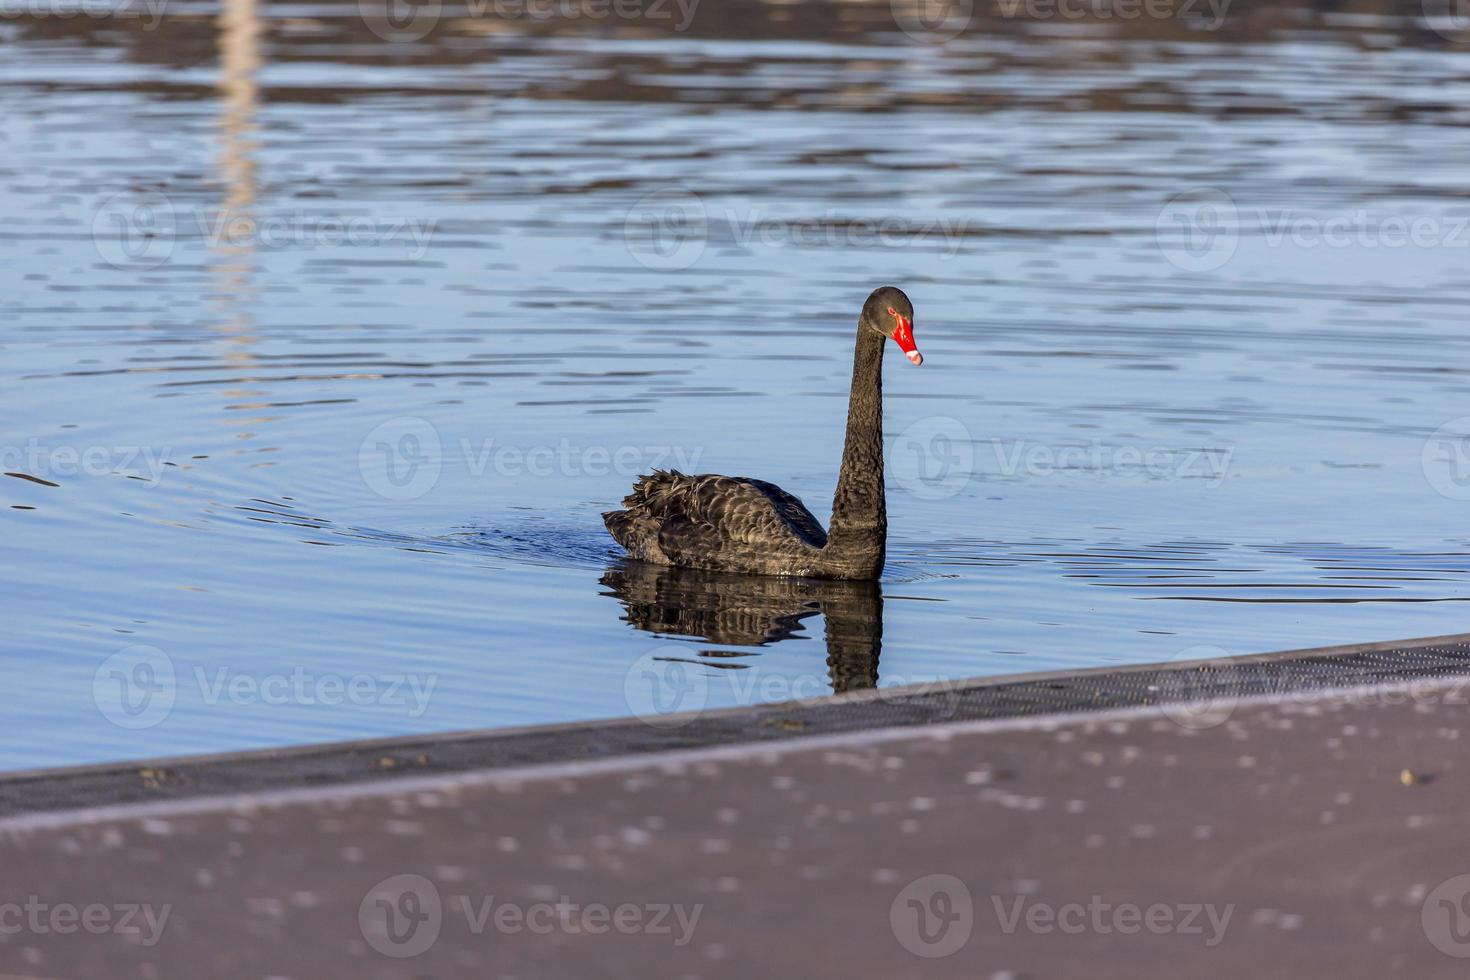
[[230, 230]]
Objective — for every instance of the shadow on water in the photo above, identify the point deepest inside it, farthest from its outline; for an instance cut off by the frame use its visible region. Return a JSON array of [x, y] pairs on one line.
[[754, 610]]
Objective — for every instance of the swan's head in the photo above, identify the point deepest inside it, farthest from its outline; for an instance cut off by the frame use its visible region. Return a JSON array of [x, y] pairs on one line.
[[889, 312]]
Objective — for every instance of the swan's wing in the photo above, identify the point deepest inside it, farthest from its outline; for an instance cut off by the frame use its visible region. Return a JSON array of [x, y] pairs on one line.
[[791, 511], [699, 517], [683, 538]]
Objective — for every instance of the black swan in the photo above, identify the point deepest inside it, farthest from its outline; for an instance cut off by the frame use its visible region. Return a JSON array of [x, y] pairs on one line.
[[736, 524]]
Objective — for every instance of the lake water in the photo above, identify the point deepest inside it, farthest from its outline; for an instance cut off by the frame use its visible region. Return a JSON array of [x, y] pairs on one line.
[[323, 345]]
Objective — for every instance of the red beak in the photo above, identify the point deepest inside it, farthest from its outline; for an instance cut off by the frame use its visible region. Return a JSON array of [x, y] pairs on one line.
[[904, 337]]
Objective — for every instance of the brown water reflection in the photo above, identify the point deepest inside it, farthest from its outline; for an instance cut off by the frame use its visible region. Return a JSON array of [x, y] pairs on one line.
[[753, 611], [874, 55]]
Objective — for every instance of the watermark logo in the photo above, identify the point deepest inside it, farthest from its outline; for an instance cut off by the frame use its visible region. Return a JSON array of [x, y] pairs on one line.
[[401, 916], [1203, 695], [1450, 19], [667, 231], [135, 230], [401, 459], [1445, 459], [933, 916], [932, 21], [933, 458], [664, 691], [1198, 230], [401, 21], [1445, 916], [135, 688]]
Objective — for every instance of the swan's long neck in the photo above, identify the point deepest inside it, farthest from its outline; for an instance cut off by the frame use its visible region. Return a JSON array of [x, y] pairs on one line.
[[859, 510]]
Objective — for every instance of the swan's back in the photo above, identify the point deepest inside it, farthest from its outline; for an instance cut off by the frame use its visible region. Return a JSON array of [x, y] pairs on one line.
[[712, 521]]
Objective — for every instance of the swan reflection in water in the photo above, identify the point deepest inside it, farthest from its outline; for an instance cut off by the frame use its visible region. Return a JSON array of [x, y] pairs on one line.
[[755, 610]]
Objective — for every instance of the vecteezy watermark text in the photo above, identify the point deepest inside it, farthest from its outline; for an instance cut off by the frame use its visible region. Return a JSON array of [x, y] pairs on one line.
[[1102, 917], [140, 229], [936, 21], [1363, 229], [138, 686], [150, 10], [665, 688], [403, 916], [37, 917], [680, 12], [302, 686], [404, 457], [669, 230], [39, 459], [1155, 462], [1200, 230], [934, 916], [1203, 685], [401, 21], [936, 457], [1208, 14]]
